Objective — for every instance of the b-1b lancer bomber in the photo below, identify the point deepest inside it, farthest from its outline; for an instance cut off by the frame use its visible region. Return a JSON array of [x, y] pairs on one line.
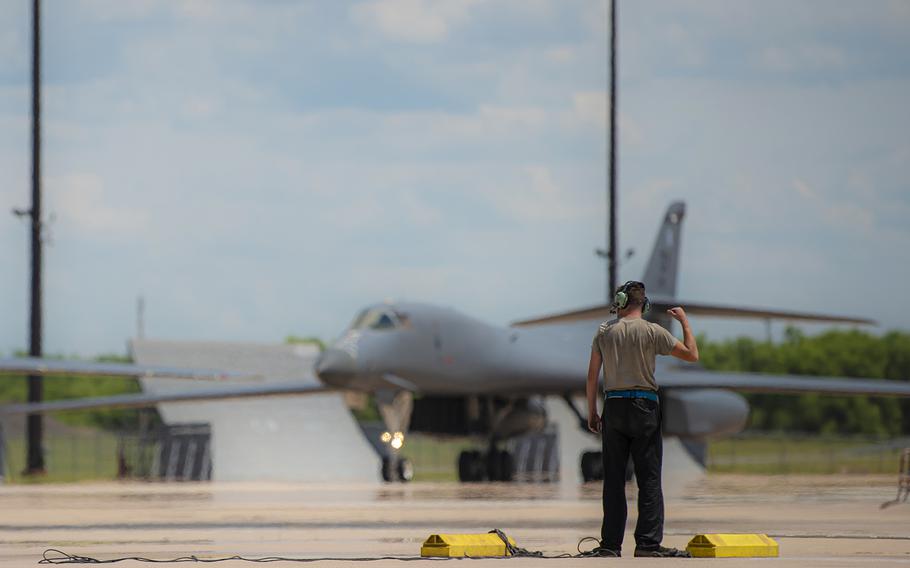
[[475, 378]]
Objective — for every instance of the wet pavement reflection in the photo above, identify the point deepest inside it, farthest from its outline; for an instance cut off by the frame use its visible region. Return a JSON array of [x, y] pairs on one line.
[[327, 519]]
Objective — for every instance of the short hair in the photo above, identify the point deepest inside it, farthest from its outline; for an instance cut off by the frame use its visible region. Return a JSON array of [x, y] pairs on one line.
[[636, 294]]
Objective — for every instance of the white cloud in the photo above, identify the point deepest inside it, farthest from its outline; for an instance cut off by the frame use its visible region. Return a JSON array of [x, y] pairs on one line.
[[686, 49], [418, 211], [839, 213], [512, 116], [803, 189], [111, 11], [84, 207], [850, 216], [539, 198], [592, 107], [12, 50], [417, 21], [561, 54], [804, 57], [198, 9], [199, 107]]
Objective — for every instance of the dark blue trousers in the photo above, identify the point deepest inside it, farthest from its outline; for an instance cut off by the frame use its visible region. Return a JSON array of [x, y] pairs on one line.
[[631, 427]]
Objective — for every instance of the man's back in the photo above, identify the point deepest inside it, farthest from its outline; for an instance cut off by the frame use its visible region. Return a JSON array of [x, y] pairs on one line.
[[629, 347]]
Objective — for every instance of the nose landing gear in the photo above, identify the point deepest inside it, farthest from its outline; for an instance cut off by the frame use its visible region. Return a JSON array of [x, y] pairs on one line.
[[395, 408], [397, 468]]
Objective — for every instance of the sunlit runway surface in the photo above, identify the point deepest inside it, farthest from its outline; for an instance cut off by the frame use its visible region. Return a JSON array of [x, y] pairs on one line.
[[818, 521]]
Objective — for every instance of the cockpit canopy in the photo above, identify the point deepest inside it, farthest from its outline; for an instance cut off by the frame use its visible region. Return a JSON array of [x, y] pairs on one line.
[[383, 317]]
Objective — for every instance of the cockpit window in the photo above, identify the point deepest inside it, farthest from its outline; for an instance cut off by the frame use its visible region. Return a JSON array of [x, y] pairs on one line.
[[384, 322], [376, 318], [358, 321]]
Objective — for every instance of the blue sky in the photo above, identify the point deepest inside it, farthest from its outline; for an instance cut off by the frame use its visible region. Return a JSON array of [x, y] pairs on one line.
[[255, 169]]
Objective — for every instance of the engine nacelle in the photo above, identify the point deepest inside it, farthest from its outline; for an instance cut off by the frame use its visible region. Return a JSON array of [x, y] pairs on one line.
[[699, 413]]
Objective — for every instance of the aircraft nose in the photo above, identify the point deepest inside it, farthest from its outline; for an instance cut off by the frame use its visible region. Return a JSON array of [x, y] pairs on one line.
[[336, 367]]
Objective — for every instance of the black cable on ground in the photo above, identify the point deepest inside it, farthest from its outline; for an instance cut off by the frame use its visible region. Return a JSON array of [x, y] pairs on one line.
[[65, 558], [517, 552], [593, 551], [56, 556]]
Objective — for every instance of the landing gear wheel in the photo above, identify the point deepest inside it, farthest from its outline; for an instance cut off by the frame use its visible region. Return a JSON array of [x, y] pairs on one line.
[[493, 466], [506, 466], [388, 469], [592, 468], [471, 467], [500, 465], [405, 470]]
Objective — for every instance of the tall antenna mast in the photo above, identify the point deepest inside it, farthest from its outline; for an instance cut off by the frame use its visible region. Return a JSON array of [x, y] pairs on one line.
[[612, 245], [34, 425]]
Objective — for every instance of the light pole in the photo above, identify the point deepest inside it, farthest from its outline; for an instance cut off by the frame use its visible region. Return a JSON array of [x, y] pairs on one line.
[[34, 425], [612, 245]]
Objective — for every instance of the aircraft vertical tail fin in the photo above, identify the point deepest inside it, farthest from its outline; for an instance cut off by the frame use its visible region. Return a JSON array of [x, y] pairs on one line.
[[663, 266], [660, 282]]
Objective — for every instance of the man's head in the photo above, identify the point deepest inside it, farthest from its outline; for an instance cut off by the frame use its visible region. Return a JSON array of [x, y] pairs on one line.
[[630, 297]]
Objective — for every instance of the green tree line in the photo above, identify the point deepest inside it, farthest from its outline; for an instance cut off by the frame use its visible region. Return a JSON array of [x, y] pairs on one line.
[[835, 353]]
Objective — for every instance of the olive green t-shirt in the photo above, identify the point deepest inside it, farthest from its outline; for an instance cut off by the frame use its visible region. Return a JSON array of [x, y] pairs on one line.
[[629, 347]]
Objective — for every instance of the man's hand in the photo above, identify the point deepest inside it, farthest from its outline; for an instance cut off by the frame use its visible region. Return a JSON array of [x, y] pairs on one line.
[[678, 314], [594, 423], [688, 349]]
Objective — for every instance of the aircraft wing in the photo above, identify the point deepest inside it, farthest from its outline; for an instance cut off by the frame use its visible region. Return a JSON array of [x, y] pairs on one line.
[[36, 366], [140, 400], [659, 305], [696, 378]]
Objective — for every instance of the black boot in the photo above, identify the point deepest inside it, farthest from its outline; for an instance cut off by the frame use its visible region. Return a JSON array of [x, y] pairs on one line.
[[661, 552]]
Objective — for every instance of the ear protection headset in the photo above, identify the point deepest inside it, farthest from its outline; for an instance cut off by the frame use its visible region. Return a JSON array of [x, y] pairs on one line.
[[621, 299]]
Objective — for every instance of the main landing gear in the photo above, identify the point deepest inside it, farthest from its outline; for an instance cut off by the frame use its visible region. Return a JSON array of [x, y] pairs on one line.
[[592, 466], [492, 465], [496, 465]]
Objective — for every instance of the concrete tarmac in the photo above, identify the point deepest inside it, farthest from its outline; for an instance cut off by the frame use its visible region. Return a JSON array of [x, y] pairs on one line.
[[817, 520]]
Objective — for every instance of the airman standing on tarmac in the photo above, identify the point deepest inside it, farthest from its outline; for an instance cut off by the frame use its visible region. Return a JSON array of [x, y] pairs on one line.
[[626, 348]]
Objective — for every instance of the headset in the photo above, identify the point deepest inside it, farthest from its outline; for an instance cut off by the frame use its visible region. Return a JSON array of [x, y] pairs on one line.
[[621, 299]]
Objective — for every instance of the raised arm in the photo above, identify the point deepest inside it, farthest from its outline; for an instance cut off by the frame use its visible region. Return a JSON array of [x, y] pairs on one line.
[[591, 389], [687, 349]]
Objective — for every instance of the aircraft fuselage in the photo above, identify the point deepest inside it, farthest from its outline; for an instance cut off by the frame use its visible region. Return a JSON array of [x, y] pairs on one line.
[[439, 351]]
